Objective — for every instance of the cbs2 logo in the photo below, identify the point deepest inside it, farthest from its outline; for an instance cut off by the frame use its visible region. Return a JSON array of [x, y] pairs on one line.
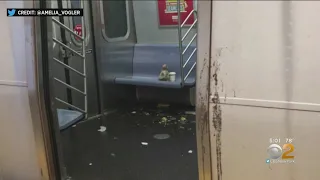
[[275, 151]]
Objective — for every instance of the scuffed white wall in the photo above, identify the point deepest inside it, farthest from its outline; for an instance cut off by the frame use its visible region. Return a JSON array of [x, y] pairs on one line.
[[267, 59], [269, 45], [17, 145], [8, 71]]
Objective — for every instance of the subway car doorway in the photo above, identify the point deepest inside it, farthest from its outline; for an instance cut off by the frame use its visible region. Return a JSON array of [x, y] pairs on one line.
[[108, 114]]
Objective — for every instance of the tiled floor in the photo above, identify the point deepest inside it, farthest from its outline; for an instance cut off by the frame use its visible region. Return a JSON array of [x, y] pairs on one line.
[[117, 153]]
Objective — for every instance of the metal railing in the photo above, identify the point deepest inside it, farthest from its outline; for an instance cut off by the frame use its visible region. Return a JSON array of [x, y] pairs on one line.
[[182, 51], [81, 55]]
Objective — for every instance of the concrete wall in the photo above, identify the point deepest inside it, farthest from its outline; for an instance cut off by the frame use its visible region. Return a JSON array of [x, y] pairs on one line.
[[266, 60], [17, 144], [147, 25]]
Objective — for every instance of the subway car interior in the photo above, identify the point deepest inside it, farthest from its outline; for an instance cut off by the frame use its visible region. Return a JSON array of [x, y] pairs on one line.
[[116, 119]]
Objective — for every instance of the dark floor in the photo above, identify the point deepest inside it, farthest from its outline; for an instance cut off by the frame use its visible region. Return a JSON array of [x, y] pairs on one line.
[[117, 153]]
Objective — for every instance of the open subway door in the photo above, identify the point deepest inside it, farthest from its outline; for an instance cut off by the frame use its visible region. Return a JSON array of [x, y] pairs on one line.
[[264, 104]]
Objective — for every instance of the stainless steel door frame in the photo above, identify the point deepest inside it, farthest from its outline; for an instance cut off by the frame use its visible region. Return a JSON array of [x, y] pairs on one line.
[[42, 104], [202, 90]]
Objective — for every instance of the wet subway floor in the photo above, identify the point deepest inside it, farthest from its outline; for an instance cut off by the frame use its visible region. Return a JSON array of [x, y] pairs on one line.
[[135, 146]]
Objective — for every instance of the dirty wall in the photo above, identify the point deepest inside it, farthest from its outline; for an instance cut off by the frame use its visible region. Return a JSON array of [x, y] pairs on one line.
[[264, 89]]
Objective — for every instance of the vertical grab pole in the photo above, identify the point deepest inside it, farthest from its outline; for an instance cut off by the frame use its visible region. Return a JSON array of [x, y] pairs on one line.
[[180, 43], [84, 60]]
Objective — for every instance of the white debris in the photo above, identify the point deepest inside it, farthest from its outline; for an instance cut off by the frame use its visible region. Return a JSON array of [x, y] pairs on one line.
[[113, 154], [133, 112], [144, 143], [190, 151], [190, 112], [90, 164], [161, 136], [102, 129], [74, 125]]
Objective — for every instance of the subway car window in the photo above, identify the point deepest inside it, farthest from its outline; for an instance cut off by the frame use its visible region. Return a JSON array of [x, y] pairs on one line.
[[76, 20], [115, 18]]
